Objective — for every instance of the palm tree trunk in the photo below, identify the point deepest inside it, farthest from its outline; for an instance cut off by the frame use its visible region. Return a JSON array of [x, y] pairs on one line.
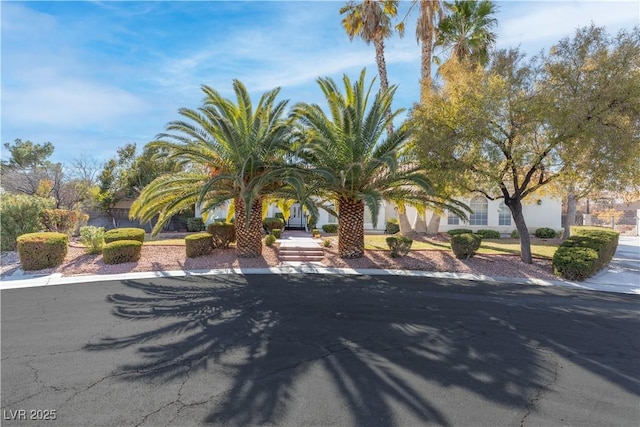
[[350, 228], [434, 224], [384, 82], [249, 236], [426, 48], [420, 226]]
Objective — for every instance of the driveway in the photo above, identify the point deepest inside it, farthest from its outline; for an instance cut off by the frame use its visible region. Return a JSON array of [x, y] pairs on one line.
[[302, 350], [624, 269]]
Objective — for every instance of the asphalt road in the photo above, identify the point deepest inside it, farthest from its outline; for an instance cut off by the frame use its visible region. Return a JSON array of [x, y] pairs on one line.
[[318, 350]]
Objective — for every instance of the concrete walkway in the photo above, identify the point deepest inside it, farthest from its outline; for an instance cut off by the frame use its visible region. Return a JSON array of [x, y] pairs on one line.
[[622, 275]]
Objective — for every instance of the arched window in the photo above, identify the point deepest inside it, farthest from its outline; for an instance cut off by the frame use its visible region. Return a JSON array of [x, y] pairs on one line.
[[504, 215], [480, 208]]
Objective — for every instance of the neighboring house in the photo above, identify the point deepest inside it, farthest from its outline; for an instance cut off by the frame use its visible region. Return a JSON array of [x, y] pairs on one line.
[[487, 214]]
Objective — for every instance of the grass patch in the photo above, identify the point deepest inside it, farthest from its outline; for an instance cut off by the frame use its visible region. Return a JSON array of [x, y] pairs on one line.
[[539, 248]]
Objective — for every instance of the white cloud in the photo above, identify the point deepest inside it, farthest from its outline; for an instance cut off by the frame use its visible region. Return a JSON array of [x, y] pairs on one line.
[[550, 21]]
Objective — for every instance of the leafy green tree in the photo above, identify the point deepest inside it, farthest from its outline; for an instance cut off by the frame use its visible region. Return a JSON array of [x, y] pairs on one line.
[[231, 152], [466, 31], [20, 214], [350, 160], [27, 166], [505, 133], [371, 20], [603, 153]]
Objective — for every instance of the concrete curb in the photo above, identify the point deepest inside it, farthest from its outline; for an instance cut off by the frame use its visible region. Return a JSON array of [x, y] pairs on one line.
[[57, 279]]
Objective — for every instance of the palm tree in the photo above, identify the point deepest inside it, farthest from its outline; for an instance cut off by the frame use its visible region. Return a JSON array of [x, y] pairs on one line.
[[350, 161], [467, 30], [426, 33], [371, 21], [232, 153]]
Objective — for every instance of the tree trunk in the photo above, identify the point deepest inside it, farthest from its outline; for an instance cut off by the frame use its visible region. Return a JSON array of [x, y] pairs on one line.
[[515, 205], [384, 82], [434, 225], [350, 228], [420, 226], [427, 50], [403, 222], [248, 236], [572, 204]]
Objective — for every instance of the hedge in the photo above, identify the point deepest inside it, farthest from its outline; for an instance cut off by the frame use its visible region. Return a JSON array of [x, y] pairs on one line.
[[585, 253], [42, 250], [60, 220], [545, 233], [488, 234], [124, 234], [198, 244], [399, 245], [393, 226], [271, 223], [330, 228], [465, 245], [457, 231], [121, 251], [223, 234], [195, 224], [269, 240]]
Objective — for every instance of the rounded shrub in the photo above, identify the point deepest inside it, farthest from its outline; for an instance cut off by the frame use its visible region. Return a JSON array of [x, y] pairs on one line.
[[545, 233], [399, 245], [327, 243], [269, 240], [457, 231], [465, 245], [42, 250], [575, 263], [393, 226], [272, 223], [195, 224], [277, 233], [124, 234], [315, 233], [515, 234], [488, 234], [330, 228], [198, 244], [122, 251], [223, 234]]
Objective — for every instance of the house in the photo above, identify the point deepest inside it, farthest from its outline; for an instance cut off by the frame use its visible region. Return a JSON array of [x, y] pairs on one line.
[[487, 214]]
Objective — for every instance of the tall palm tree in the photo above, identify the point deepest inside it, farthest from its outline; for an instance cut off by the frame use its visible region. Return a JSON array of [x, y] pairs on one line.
[[371, 21], [467, 30], [232, 153], [426, 33], [350, 160]]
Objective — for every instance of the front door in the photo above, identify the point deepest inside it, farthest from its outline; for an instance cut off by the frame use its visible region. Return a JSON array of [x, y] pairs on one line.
[[296, 217]]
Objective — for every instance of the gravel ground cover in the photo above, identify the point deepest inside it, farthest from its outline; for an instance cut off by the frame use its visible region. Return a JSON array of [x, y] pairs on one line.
[[168, 258]]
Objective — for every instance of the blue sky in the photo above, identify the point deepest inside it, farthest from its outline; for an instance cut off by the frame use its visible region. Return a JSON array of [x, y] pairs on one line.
[[92, 76]]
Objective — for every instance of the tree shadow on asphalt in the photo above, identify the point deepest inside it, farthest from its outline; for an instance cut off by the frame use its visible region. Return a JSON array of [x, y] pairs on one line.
[[382, 344]]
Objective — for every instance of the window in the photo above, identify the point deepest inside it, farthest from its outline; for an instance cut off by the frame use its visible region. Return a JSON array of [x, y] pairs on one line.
[[504, 215], [453, 219], [332, 219], [480, 209]]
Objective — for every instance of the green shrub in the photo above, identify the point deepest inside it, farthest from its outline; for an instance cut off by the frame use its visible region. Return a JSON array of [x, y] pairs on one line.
[[277, 233], [488, 234], [272, 223], [465, 245], [393, 226], [457, 231], [545, 233], [92, 238], [269, 240], [399, 245], [223, 234], [327, 243], [42, 250], [198, 244], [330, 228], [121, 251], [60, 220], [315, 233], [515, 234], [585, 253], [20, 214], [195, 224], [124, 234]]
